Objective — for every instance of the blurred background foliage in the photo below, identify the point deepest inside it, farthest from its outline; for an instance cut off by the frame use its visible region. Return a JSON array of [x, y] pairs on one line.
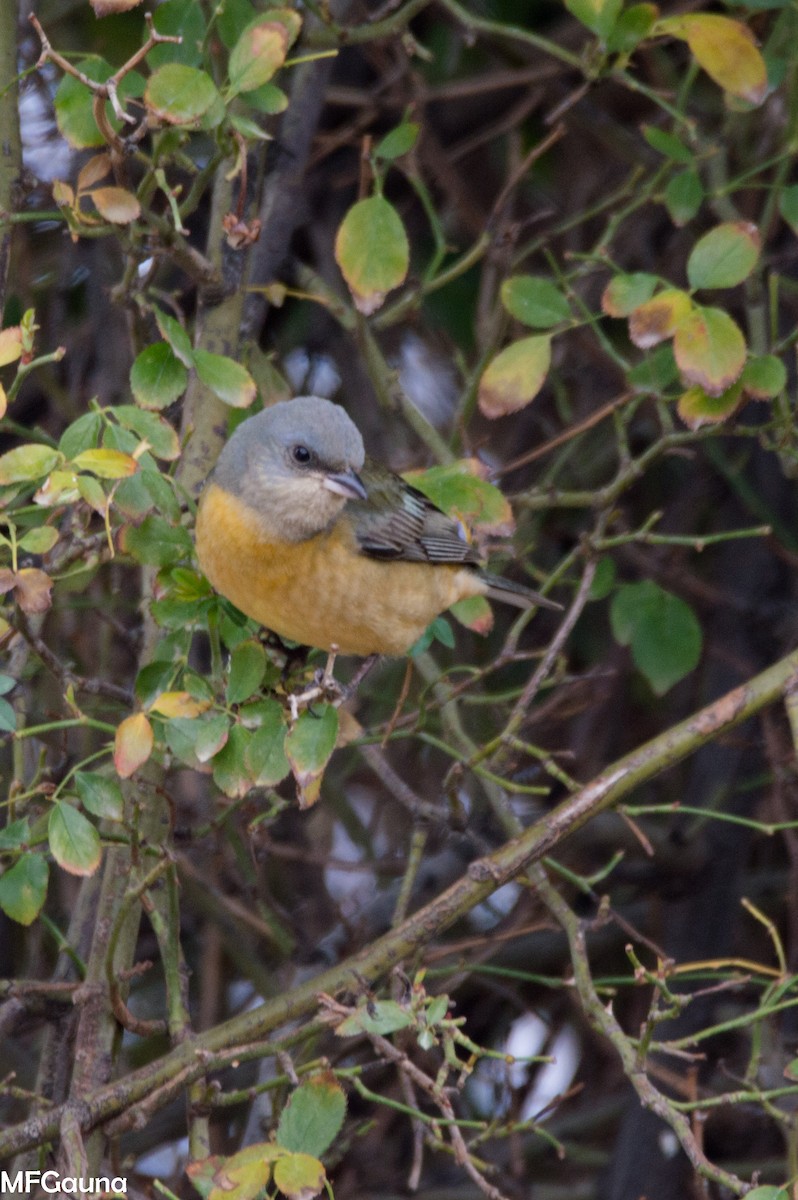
[[574, 280]]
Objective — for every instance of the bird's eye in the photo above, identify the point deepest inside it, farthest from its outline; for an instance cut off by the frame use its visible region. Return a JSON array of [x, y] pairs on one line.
[[301, 455]]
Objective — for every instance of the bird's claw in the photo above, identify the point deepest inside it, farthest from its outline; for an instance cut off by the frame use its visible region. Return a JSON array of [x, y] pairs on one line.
[[324, 687]]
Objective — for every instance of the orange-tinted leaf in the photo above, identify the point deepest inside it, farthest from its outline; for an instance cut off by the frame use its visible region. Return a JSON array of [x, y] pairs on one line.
[[107, 8], [299, 1176], [475, 613], [116, 204], [373, 252], [624, 293], [33, 588], [257, 55], [515, 376], [98, 166], [63, 194], [709, 349], [132, 745], [656, 320], [696, 408], [74, 842], [725, 48], [10, 345], [3, 402], [308, 747]]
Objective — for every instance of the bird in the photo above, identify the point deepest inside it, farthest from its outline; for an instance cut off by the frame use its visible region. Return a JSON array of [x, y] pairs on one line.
[[326, 547]]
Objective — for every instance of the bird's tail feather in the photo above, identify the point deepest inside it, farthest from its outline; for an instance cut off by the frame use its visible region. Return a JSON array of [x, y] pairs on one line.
[[509, 592]]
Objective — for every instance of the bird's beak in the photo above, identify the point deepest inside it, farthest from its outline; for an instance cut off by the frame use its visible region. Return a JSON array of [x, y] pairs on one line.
[[345, 483]]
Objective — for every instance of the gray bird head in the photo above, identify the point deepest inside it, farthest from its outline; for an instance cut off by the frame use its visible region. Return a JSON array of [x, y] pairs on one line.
[[295, 464]]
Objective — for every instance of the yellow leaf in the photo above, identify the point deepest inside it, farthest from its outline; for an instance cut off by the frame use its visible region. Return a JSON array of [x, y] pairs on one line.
[[179, 704], [726, 49], [107, 464], [10, 345], [657, 319], [515, 376]]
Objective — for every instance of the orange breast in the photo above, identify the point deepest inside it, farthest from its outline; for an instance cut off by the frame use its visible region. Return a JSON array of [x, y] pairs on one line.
[[322, 591]]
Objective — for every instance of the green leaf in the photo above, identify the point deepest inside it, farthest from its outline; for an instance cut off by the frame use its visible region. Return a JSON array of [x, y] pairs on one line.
[[710, 349], [247, 668], [299, 1176], [23, 888], [632, 27], [232, 771], [8, 717], [725, 256], [74, 104], [788, 206], [99, 795], [373, 252], [157, 543], [82, 434], [180, 95], [233, 16], [185, 19], [624, 293], [269, 99], [74, 842], [173, 332], [158, 433], [15, 835], [38, 541], [764, 377], [27, 463], [535, 301], [604, 578], [313, 1116], [515, 376], [655, 373], [458, 490], [157, 378], [667, 144], [684, 194], [599, 16], [226, 378], [266, 751], [7, 684], [399, 141], [257, 55], [663, 632], [309, 746], [380, 1016]]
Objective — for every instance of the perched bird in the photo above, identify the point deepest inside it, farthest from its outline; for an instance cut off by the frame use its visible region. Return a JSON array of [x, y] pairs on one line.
[[326, 547]]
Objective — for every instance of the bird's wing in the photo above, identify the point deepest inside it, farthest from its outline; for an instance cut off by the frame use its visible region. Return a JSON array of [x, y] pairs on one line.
[[397, 522]]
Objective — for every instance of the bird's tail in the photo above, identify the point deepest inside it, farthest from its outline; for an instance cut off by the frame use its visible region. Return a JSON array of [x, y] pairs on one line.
[[509, 592]]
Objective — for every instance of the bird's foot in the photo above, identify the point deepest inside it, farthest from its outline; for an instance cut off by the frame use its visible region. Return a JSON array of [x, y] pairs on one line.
[[325, 687]]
